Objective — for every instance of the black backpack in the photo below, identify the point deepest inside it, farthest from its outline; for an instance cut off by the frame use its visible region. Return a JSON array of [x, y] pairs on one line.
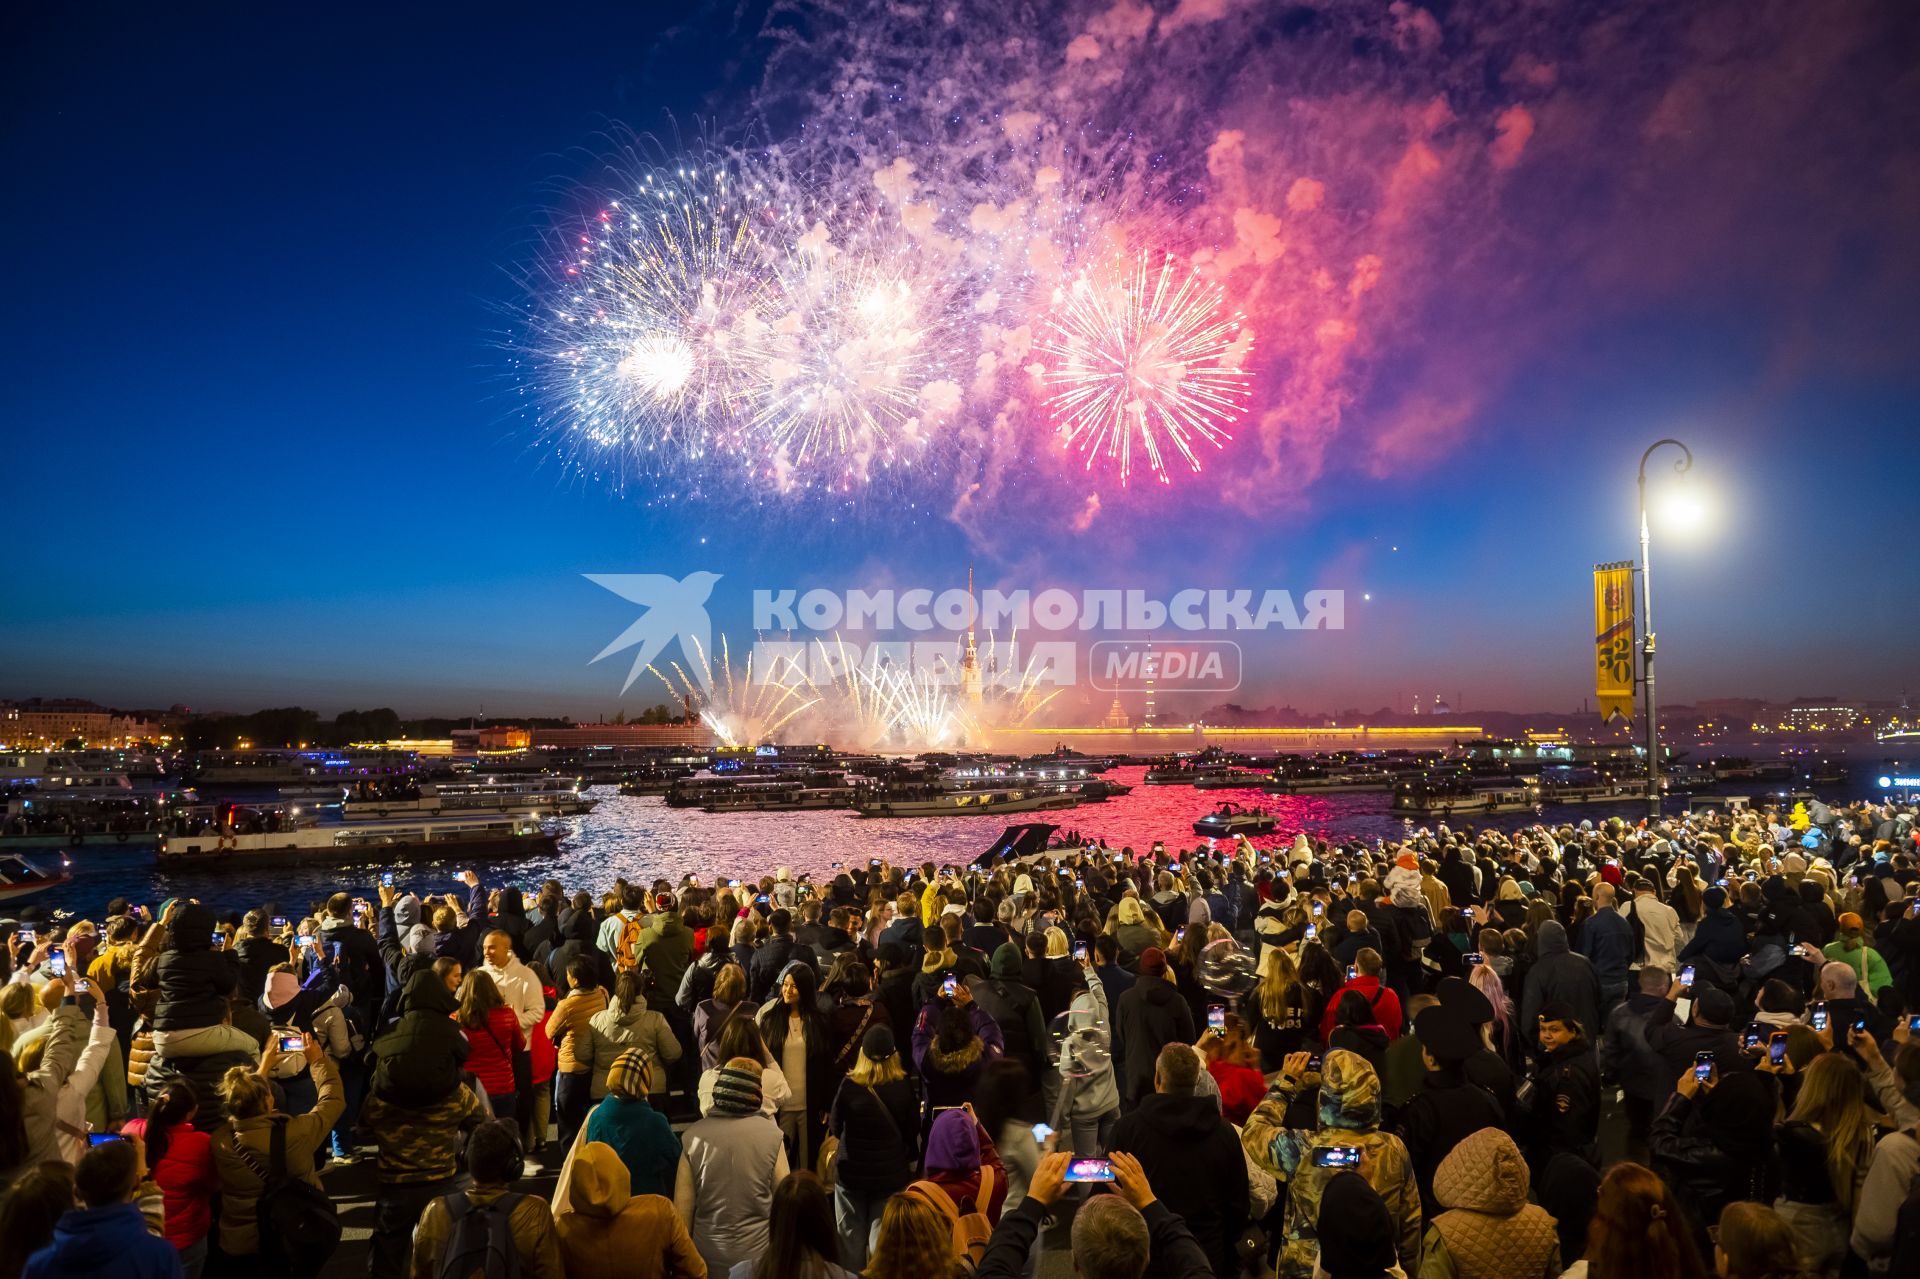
[[298, 1225], [480, 1245]]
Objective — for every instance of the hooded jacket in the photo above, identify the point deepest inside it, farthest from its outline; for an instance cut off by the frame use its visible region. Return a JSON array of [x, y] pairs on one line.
[[1151, 1015], [1349, 1115], [618, 1027], [1560, 976], [607, 1232], [950, 1076], [1193, 1158], [418, 1062], [195, 980], [111, 1242], [1015, 1008], [1095, 1091], [1488, 1229], [641, 1137]]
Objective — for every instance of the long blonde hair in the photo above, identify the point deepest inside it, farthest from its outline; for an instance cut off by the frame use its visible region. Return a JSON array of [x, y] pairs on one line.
[[1276, 982], [1833, 1099], [914, 1243]]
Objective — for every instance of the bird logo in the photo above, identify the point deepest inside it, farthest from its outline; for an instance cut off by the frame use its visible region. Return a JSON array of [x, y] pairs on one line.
[[676, 609]]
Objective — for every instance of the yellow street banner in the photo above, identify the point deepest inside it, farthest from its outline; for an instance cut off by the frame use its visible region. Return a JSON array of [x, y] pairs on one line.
[[1613, 638]]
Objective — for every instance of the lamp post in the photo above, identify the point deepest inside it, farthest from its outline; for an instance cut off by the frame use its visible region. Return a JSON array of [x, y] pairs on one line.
[[1680, 467]]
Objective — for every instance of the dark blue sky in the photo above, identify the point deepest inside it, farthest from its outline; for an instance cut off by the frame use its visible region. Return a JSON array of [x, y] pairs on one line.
[[262, 441]]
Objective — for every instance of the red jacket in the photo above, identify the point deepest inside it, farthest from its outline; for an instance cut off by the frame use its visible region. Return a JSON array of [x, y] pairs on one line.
[[546, 1054], [1241, 1089], [492, 1049], [1385, 1004], [187, 1182]]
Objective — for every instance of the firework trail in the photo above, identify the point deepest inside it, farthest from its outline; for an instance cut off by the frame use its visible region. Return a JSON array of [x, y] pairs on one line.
[[746, 706]]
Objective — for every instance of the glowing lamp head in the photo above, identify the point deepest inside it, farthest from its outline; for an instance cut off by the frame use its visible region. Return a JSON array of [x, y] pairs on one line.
[[660, 365], [1683, 508]]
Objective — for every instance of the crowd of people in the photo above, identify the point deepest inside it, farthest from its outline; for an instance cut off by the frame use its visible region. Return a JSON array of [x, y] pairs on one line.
[[1614, 1051]]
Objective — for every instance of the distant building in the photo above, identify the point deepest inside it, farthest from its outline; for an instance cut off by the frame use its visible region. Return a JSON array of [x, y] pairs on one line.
[[494, 737], [1821, 715], [580, 735], [1117, 716], [41, 723]]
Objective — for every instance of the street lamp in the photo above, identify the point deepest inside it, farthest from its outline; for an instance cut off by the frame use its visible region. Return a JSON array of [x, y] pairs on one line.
[[1680, 467]]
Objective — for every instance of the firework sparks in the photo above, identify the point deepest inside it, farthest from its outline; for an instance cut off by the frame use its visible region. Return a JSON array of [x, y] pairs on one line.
[[1144, 358], [746, 706]]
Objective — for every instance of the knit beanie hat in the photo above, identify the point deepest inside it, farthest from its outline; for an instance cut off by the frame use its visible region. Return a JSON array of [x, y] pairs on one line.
[[736, 1088], [1356, 1231], [1153, 962]]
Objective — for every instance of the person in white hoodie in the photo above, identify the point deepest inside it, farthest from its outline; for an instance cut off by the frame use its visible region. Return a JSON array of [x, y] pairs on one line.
[[1089, 1096], [516, 982], [70, 1103], [1660, 924]]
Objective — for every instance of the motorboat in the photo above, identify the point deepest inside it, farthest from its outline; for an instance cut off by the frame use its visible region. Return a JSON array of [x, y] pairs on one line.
[[1230, 820]]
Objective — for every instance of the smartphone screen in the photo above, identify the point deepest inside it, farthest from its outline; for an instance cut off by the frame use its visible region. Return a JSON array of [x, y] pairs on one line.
[[219, 937], [1818, 1018], [1089, 1170], [1216, 1017], [1353, 972], [1913, 1023], [278, 921], [292, 1043], [1311, 934], [386, 879], [1474, 959], [1777, 1047], [1703, 1071], [949, 986], [57, 961], [82, 986], [1336, 1157], [102, 1138], [1751, 1039], [1080, 951], [1686, 975]]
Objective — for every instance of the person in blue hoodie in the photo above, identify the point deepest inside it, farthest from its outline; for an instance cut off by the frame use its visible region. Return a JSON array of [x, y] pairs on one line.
[[106, 1235]]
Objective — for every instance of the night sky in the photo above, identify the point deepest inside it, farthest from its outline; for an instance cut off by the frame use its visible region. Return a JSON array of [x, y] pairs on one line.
[[267, 440]]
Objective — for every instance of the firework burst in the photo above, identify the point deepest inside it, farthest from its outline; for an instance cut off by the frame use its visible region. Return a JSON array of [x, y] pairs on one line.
[[1143, 358], [652, 324]]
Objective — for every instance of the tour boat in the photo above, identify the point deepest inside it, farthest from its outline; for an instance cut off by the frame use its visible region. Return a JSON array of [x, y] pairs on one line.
[[1325, 781], [962, 803], [413, 839], [552, 797], [1229, 820], [783, 797], [1461, 801], [1592, 792]]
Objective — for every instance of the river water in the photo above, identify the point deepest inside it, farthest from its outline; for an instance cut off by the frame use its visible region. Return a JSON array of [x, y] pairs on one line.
[[641, 838]]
